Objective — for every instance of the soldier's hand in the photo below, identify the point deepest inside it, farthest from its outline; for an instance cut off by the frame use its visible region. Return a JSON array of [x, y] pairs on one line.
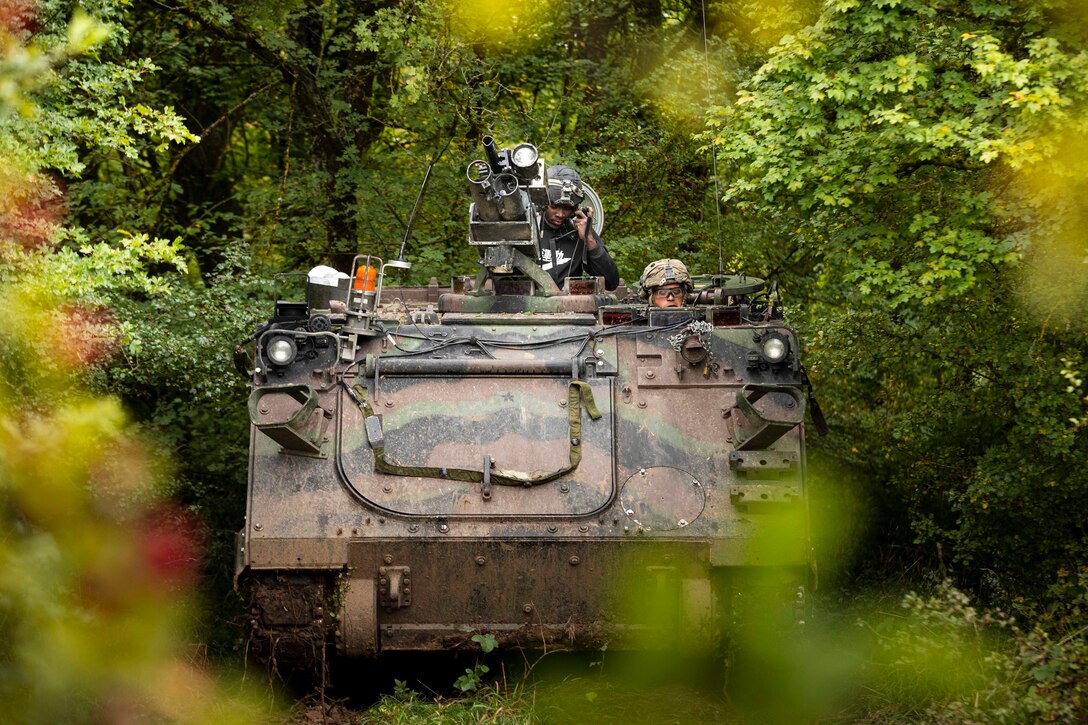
[[580, 221]]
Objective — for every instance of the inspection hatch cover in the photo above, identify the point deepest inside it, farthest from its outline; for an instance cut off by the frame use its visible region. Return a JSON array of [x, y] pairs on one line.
[[662, 498]]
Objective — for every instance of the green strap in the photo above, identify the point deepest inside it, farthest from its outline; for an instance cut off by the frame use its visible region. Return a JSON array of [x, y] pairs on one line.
[[577, 393]]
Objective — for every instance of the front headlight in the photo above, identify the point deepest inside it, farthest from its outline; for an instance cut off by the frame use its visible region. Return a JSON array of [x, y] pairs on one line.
[[775, 347], [281, 350]]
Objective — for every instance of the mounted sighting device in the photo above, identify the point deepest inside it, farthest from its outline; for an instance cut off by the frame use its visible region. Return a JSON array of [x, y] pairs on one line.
[[508, 190]]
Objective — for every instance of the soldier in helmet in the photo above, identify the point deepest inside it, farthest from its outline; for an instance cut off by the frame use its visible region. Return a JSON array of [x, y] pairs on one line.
[[568, 244], [665, 283]]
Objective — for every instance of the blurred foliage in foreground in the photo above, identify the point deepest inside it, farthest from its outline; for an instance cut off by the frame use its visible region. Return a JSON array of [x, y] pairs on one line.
[[96, 567], [931, 657]]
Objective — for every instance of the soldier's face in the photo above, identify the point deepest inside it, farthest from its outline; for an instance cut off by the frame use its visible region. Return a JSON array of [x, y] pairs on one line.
[[556, 215], [669, 295]]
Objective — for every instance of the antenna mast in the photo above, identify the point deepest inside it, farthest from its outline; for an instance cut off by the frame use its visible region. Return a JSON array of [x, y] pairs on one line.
[[713, 144]]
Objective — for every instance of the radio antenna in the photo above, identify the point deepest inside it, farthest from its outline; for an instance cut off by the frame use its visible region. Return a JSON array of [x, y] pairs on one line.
[[713, 145], [400, 262]]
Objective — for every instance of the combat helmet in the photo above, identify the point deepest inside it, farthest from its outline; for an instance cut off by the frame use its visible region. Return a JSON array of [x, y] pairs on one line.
[[661, 272], [565, 186]]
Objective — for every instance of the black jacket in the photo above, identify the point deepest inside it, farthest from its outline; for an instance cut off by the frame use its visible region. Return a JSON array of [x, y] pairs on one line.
[[572, 259]]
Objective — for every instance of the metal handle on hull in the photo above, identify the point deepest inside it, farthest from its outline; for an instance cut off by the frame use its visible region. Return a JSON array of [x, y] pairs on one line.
[[577, 393]]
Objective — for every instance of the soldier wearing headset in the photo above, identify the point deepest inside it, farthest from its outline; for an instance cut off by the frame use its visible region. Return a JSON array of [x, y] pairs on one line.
[[569, 246]]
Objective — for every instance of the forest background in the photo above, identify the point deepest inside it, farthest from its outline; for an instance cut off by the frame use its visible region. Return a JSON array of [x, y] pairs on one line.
[[912, 173]]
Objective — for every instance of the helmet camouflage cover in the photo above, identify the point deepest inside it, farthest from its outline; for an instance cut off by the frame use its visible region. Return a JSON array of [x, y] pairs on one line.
[[661, 272], [564, 186]]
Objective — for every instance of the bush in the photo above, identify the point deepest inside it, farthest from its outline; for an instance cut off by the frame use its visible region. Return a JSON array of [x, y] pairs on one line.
[[947, 662]]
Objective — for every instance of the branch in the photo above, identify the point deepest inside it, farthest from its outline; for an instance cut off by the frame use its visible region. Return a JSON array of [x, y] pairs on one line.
[[187, 149]]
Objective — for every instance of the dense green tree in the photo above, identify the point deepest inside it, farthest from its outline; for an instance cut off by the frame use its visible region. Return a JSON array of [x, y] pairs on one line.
[[96, 600], [318, 122], [921, 153]]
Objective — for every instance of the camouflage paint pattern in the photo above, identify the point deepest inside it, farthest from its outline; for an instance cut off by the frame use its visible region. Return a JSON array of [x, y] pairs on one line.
[[692, 478]]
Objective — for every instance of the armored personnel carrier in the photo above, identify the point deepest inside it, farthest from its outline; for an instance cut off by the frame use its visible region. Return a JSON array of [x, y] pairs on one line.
[[555, 465]]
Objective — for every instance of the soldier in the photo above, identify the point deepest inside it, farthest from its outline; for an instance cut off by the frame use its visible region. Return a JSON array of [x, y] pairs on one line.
[[665, 283], [568, 244]]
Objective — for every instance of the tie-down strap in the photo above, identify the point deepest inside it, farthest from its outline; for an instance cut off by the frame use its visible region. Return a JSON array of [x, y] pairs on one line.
[[577, 392]]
